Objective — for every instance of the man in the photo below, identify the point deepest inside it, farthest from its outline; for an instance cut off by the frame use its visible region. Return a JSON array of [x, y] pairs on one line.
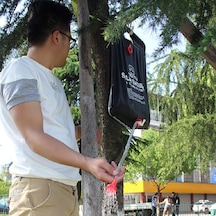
[[36, 116], [154, 204], [176, 203]]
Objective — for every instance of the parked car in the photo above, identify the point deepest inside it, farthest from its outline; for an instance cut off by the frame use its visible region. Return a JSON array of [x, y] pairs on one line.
[[202, 206], [213, 209], [4, 205]]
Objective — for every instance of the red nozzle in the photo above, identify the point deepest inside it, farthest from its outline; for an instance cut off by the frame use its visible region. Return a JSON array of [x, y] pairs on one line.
[[140, 122], [111, 188]]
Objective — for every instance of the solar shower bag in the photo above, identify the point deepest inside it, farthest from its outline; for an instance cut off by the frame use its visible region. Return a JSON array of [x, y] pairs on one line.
[[128, 93]]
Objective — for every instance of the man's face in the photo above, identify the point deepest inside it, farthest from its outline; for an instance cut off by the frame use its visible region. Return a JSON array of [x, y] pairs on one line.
[[65, 47]]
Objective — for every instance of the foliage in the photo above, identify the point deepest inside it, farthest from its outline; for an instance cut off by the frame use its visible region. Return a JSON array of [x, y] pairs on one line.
[[182, 86], [162, 16], [4, 187], [195, 134], [76, 113], [138, 156], [150, 162]]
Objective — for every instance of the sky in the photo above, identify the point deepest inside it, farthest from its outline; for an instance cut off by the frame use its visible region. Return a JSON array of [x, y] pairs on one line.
[[151, 41]]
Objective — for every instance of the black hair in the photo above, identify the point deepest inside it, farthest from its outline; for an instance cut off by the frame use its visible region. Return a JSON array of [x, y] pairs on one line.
[[44, 17]]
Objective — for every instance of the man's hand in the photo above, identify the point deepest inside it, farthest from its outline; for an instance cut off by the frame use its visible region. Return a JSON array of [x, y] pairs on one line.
[[105, 171]]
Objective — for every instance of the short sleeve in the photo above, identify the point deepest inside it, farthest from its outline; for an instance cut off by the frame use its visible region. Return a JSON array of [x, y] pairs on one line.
[[20, 91]]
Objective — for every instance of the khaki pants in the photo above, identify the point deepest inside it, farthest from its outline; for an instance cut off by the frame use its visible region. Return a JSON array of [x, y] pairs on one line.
[[42, 197]]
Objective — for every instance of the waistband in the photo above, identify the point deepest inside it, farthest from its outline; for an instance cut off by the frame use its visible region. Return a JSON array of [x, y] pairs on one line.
[[20, 178]]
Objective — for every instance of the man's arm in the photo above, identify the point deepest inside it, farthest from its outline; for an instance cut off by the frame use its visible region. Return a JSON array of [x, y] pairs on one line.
[[28, 118]]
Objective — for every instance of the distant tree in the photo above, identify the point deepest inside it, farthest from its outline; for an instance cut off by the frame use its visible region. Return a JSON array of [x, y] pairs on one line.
[[182, 86], [151, 162], [195, 134], [4, 180], [4, 187]]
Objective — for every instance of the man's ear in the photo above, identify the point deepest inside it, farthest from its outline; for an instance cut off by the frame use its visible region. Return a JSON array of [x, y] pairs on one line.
[[55, 37]]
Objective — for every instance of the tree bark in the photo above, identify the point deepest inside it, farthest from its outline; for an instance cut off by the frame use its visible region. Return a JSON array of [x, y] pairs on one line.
[[193, 35], [91, 187], [113, 142]]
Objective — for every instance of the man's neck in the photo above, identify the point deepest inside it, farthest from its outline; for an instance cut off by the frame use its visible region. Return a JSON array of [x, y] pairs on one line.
[[40, 55]]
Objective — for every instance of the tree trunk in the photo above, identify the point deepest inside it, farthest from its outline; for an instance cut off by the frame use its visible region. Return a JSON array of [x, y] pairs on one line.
[[193, 35], [113, 144], [91, 187]]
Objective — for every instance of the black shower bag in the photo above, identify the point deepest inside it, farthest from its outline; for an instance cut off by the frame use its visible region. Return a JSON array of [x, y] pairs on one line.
[[128, 98]]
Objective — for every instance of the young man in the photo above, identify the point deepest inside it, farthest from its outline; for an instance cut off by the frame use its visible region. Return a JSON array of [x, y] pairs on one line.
[[36, 116]]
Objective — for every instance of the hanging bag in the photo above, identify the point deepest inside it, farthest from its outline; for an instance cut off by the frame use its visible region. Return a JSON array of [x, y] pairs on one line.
[[128, 98]]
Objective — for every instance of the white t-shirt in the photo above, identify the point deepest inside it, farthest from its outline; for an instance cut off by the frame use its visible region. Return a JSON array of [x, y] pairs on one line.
[[24, 80]]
